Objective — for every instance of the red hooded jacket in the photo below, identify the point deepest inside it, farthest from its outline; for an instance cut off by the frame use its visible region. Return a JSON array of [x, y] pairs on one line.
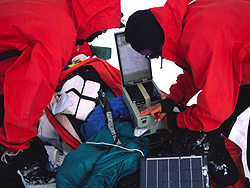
[[211, 38], [45, 31]]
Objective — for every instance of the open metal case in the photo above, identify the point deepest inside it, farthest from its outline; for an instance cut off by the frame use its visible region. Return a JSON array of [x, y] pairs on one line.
[[139, 90]]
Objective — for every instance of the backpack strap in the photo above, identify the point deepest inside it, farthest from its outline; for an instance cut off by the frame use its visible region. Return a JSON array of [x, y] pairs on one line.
[[107, 110], [80, 95]]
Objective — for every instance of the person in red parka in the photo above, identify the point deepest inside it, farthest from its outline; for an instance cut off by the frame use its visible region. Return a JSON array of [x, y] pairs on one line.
[[210, 41], [36, 42]]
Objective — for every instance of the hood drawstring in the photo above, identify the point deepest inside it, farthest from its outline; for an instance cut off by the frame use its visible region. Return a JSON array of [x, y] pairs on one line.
[[7, 154]]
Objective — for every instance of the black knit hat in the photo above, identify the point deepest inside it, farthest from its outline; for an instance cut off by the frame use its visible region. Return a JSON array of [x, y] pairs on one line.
[[144, 32]]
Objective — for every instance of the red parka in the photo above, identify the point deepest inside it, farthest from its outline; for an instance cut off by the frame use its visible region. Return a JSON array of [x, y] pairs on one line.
[[45, 31], [210, 38]]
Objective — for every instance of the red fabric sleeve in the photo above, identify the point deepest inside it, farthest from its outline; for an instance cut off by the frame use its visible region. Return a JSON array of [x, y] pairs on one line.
[[184, 89], [215, 73], [92, 16], [220, 85]]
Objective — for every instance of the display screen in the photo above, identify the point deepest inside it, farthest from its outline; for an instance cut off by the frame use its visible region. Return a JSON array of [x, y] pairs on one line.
[[133, 65]]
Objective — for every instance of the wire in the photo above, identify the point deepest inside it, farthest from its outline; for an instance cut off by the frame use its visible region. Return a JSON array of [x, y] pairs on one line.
[[114, 145]]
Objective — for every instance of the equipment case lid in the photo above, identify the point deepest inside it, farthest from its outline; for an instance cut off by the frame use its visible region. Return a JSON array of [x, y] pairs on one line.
[[134, 67]]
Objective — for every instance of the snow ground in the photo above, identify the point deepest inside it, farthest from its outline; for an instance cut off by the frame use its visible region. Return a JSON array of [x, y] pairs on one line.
[[164, 77]]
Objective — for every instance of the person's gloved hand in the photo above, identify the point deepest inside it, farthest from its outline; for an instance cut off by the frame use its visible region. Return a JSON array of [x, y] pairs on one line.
[[167, 105], [160, 110], [170, 121], [170, 117]]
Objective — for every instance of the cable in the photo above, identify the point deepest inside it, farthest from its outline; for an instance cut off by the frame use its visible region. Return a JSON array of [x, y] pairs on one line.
[[114, 145]]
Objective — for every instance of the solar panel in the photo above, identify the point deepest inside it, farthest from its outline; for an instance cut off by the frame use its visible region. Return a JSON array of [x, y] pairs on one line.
[[174, 172]]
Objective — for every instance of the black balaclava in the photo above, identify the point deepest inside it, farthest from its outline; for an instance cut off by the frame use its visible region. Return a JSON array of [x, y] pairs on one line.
[[144, 33]]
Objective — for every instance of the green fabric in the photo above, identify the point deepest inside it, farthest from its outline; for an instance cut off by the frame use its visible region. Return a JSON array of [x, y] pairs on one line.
[[93, 167]]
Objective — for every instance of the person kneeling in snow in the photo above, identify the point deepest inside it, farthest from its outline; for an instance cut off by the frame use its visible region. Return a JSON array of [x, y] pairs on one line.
[[36, 41], [210, 41]]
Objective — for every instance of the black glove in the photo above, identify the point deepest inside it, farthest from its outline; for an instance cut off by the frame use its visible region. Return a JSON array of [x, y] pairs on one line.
[[167, 105], [172, 121]]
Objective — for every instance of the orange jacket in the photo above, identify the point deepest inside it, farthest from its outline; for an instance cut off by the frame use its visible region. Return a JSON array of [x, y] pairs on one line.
[[45, 31], [211, 38]]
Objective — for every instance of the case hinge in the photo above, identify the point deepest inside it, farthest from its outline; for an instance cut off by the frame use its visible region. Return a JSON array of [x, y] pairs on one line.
[[131, 83]]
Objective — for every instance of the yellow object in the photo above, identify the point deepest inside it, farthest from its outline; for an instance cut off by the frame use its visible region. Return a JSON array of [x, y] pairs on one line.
[[78, 61]]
